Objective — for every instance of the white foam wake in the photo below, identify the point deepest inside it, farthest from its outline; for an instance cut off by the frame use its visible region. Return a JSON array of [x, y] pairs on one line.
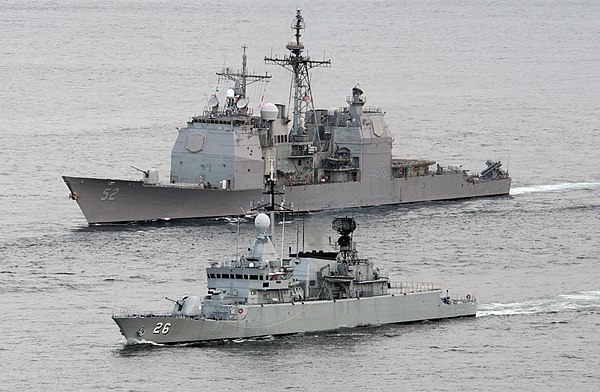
[[582, 301], [554, 187], [137, 342]]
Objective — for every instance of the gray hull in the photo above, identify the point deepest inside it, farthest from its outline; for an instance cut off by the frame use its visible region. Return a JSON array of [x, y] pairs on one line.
[[118, 201], [287, 318]]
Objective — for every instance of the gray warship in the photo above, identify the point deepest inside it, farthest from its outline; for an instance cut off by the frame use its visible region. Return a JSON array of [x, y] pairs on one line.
[[326, 158], [261, 294]]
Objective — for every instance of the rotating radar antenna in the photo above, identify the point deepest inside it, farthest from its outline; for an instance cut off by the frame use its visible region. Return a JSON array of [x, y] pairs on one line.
[[299, 65], [344, 226]]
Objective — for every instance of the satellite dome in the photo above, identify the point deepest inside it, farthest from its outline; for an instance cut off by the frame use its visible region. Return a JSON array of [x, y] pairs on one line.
[[269, 112], [262, 222], [230, 93]]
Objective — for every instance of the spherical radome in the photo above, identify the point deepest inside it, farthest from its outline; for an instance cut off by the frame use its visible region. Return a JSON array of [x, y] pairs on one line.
[[262, 222], [269, 111]]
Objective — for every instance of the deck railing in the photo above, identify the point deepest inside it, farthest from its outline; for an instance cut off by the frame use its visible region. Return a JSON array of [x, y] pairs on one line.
[[413, 287]]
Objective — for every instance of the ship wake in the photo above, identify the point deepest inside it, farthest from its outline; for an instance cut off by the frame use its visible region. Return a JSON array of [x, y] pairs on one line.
[[555, 187], [583, 301]]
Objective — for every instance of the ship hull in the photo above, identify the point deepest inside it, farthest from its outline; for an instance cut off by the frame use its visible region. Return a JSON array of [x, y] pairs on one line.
[[105, 201], [290, 318]]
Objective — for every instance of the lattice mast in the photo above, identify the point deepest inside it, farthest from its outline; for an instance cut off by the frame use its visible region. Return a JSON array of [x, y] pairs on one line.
[[299, 65]]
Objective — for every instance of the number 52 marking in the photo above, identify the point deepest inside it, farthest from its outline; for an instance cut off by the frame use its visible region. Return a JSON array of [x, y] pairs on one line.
[[109, 194]]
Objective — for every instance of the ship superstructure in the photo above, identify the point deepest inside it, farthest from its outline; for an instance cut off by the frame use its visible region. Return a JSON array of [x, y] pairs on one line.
[[327, 158]]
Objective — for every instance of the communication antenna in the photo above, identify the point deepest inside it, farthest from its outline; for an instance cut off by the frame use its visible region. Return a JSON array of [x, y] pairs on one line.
[[282, 236], [299, 65], [237, 100], [297, 233], [237, 241], [213, 102], [242, 103], [302, 235]]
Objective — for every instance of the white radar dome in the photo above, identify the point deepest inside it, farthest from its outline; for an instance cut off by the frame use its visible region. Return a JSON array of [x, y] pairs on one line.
[[262, 222], [269, 111], [230, 93]]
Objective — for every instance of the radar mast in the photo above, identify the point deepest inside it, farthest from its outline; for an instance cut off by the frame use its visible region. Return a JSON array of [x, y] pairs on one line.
[[241, 79], [299, 65]]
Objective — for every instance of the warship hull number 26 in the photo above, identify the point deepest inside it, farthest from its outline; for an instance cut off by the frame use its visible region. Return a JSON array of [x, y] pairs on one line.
[[261, 294]]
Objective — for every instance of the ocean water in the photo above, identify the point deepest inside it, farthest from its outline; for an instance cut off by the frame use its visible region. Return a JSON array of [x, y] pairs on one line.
[[93, 87]]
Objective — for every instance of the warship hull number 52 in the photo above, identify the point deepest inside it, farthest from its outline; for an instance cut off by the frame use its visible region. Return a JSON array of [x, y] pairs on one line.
[[326, 158]]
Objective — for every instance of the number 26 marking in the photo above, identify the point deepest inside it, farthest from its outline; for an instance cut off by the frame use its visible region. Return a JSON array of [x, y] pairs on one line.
[[162, 328], [109, 194]]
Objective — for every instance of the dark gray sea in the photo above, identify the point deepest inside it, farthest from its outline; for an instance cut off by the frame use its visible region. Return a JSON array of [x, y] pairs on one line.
[[91, 87]]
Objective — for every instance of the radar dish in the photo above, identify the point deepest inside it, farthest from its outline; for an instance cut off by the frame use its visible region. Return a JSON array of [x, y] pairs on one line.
[[262, 222], [357, 90], [242, 103], [213, 102], [344, 226]]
